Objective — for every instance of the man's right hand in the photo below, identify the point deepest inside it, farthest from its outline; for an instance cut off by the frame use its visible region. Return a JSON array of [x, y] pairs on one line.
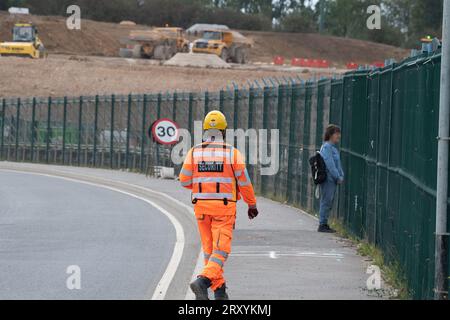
[[252, 212]]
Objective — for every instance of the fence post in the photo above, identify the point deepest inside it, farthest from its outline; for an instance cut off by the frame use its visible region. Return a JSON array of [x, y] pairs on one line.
[[280, 105], [111, 142], [174, 106], [33, 129], [94, 156], [127, 156], [17, 130], [64, 131], [282, 99], [292, 143], [191, 120], [306, 144], [144, 116], [206, 102], [251, 108], [80, 124], [235, 107], [221, 100], [2, 146], [158, 116], [49, 128], [266, 92], [441, 234]]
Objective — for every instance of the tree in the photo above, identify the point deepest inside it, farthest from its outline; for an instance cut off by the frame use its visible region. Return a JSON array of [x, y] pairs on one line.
[[300, 20], [6, 4], [348, 18]]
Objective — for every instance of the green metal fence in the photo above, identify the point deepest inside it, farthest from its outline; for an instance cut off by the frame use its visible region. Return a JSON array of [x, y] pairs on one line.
[[390, 123], [389, 147]]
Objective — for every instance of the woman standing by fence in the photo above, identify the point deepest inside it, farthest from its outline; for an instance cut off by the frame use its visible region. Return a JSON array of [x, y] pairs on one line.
[[335, 175]]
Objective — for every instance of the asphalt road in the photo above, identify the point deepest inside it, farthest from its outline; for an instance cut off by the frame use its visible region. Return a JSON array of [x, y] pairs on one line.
[[121, 245], [279, 255]]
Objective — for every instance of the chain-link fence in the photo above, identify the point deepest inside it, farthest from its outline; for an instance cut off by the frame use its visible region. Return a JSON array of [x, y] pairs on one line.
[[389, 147]]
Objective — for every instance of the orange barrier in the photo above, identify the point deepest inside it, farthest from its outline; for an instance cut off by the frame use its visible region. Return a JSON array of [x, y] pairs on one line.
[[296, 62], [352, 65], [278, 60], [308, 63]]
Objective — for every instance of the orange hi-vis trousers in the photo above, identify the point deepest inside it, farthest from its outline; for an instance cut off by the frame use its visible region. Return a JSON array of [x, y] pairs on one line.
[[216, 233]]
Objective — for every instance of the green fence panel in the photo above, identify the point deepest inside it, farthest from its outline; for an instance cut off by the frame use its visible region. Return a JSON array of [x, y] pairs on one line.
[[294, 147], [321, 120], [354, 148], [305, 196]]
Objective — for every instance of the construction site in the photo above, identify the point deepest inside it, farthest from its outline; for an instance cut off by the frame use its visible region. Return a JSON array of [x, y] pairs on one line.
[[88, 61], [105, 132]]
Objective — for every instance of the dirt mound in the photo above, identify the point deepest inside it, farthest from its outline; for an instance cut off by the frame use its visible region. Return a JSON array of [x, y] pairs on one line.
[[94, 38], [337, 50], [104, 39], [197, 60]]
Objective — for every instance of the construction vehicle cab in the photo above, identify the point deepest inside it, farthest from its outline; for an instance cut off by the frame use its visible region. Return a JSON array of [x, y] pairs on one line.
[[430, 44], [179, 35], [25, 42], [228, 45]]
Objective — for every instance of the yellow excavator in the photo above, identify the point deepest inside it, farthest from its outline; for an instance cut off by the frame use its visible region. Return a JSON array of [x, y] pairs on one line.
[[25, 43]]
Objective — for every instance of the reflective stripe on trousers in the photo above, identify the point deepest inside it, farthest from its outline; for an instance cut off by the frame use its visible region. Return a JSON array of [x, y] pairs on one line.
[[216, 234]]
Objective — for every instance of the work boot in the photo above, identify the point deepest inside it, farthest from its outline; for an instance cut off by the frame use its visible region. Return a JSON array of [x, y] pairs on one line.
[[200, 288], [221, 293], [325, 228]]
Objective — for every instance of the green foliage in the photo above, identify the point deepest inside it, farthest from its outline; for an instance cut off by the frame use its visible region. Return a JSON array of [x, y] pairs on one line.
[[393, 273], [347, 17], [301, 20], [5, 4]]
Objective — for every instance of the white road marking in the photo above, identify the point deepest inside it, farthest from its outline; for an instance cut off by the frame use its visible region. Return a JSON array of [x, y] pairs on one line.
[[276, 254], [198, 268], [162, 194], [164, 283]]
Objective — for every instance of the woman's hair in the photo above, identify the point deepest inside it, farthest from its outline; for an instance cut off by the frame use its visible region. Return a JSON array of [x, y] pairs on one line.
[[330, 131]]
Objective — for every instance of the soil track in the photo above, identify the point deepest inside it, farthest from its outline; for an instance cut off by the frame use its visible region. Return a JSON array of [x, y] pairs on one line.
[[338, 51], [62, 75]]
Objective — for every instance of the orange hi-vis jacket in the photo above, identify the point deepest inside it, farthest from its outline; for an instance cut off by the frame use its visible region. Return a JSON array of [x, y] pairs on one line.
[[217, 176]]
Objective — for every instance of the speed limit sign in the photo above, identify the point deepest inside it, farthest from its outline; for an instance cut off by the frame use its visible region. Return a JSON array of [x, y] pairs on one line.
[[165, 131]]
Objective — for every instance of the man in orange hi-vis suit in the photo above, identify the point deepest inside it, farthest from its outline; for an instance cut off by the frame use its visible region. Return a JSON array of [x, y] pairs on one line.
[[216, 174]]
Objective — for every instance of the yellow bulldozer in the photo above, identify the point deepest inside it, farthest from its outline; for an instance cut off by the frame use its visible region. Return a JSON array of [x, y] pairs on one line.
[[229, 45], [25, 42]]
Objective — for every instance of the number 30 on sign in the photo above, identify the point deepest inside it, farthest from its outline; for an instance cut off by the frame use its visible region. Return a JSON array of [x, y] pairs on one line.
[[165, 131]]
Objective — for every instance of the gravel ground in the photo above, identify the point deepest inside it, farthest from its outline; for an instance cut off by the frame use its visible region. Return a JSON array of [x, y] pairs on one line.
[[61, 75]]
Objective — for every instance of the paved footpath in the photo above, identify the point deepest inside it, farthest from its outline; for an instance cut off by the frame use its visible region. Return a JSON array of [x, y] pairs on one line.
[[279, 255]]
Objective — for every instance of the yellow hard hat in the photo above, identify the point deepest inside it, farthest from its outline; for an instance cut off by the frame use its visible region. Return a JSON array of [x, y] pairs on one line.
[[215, 120]]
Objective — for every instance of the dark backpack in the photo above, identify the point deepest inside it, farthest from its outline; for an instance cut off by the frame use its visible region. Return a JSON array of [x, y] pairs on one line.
[[318, 168]]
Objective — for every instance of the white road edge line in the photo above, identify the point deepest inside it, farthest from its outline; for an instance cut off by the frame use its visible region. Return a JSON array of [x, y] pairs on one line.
[[162, 194], [164, 283], [198, 268]]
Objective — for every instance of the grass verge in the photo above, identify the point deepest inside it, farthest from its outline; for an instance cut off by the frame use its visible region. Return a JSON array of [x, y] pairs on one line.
[[392, 273]]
